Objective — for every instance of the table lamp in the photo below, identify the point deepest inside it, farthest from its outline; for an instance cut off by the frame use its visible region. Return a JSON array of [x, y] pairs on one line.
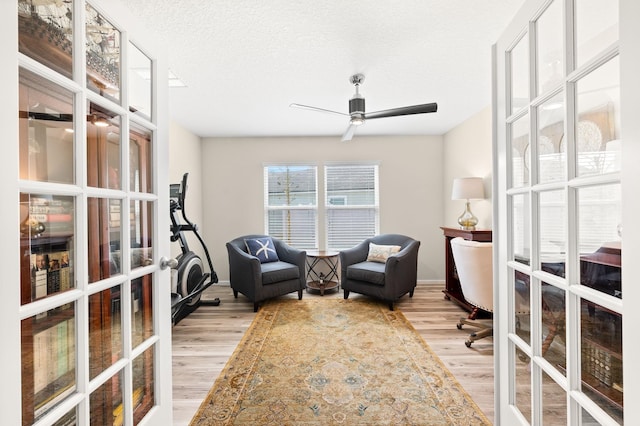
[[467, 188]]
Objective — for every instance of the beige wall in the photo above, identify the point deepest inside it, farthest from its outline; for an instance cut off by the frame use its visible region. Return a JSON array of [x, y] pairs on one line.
[[467, 152], [411, 170], [185, 151], [225, 195]]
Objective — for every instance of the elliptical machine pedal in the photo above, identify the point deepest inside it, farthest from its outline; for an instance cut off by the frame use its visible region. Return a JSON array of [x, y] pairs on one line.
[[188, 279]]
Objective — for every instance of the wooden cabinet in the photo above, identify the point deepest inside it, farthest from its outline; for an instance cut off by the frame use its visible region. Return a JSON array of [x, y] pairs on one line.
[[452, 290]]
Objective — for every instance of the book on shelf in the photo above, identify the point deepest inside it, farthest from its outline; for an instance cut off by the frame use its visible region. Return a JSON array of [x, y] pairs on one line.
[[54, 365], [53, 281], [50, 273], [53, 355], [51, 217], [114, 214], [56, 214], [40, 283], [59, 264], [39, 275]]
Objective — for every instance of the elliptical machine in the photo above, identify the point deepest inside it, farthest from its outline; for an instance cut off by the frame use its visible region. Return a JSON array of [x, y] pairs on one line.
[[188, 279]]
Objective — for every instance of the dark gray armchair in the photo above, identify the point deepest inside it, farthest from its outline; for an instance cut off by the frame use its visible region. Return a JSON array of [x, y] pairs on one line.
[[387, 281], [260, 281]]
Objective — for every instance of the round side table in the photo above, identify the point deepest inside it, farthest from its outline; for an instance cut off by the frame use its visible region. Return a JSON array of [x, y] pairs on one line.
[[317, 280]]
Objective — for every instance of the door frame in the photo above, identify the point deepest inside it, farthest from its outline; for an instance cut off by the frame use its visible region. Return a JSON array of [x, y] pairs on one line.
[[10, 356]]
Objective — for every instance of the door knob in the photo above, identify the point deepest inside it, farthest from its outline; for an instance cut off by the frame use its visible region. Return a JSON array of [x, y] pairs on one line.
[[168, 263]]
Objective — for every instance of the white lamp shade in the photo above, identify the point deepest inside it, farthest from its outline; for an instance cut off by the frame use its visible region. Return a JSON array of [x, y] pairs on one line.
[[468, 188]]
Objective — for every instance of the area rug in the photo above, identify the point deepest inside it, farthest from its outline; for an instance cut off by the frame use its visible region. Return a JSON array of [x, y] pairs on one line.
[[335, 361]]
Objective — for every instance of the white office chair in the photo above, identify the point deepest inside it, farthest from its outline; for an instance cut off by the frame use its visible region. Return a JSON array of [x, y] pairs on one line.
[[473, 260]]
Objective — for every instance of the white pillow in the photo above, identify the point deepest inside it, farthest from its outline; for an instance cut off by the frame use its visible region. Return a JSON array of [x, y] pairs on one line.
[[380, 253]]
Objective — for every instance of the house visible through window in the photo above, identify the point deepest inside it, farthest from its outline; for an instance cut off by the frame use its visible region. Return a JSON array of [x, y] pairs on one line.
[[350, 202]]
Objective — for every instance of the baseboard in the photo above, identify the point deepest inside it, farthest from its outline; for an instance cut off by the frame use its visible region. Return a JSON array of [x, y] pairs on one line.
[[431, 282], [226, 283]]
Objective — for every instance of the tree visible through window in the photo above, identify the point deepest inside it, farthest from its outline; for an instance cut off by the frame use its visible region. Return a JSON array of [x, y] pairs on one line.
[[291, 204]]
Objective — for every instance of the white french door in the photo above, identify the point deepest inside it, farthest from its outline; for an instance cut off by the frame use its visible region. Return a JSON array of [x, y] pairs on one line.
[[566, 113], [85, 309]]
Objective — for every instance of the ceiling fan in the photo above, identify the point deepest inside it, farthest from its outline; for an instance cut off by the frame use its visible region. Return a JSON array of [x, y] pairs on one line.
[[357, 112]]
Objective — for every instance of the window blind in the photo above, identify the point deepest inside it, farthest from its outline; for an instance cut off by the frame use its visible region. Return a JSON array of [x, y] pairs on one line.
[[351, 204]]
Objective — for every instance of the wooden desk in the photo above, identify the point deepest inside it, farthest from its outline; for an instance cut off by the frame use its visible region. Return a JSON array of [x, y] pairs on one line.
[[452, 290], [601, 328], [602, 269]]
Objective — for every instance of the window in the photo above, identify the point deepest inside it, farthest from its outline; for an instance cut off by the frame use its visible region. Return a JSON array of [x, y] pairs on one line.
[[350, 197], [291, 204], [352, 204]]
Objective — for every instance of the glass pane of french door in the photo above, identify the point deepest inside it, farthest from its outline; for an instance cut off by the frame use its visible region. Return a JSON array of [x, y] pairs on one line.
[[88, 221]]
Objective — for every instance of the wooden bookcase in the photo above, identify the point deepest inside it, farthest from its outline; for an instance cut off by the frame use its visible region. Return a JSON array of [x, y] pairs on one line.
[[48, 338]]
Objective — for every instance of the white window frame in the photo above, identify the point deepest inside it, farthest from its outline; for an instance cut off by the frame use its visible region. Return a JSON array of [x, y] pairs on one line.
[[310, 208], [321, 205]]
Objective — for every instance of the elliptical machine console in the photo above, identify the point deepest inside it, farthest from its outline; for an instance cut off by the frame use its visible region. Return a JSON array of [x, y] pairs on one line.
[[188, 279]]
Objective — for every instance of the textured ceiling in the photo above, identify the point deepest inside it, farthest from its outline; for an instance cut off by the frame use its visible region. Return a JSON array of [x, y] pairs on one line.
[[245, 61]]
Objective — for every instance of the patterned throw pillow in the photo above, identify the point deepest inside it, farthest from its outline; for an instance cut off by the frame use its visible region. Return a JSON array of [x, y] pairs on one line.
[[380, 253], [262, 248]]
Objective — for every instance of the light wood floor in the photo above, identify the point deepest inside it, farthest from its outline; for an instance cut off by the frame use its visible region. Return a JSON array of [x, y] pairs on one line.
[[204, 341]]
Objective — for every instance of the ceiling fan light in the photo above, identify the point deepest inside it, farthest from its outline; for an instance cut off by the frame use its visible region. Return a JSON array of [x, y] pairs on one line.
[[98, 121], [356, 121]]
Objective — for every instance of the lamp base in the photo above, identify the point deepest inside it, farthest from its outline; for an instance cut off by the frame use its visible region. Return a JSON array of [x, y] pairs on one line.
[[467, 227], [467, 220]]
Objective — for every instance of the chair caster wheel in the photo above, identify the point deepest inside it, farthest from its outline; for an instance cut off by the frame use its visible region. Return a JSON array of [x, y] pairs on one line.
[[467, 343], [459, 326]]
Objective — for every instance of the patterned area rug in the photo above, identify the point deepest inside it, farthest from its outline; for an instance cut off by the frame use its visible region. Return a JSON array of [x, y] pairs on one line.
[[335, 361]]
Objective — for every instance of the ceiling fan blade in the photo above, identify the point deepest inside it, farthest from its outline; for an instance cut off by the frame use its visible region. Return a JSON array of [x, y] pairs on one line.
[[408, 110], [316, 109], [348, 134]]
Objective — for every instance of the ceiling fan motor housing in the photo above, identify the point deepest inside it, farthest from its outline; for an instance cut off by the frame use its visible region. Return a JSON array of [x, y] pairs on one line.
[[356, 105]]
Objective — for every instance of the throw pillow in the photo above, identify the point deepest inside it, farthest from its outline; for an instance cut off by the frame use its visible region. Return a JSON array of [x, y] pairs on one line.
[[380, 253], [262, 248]]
